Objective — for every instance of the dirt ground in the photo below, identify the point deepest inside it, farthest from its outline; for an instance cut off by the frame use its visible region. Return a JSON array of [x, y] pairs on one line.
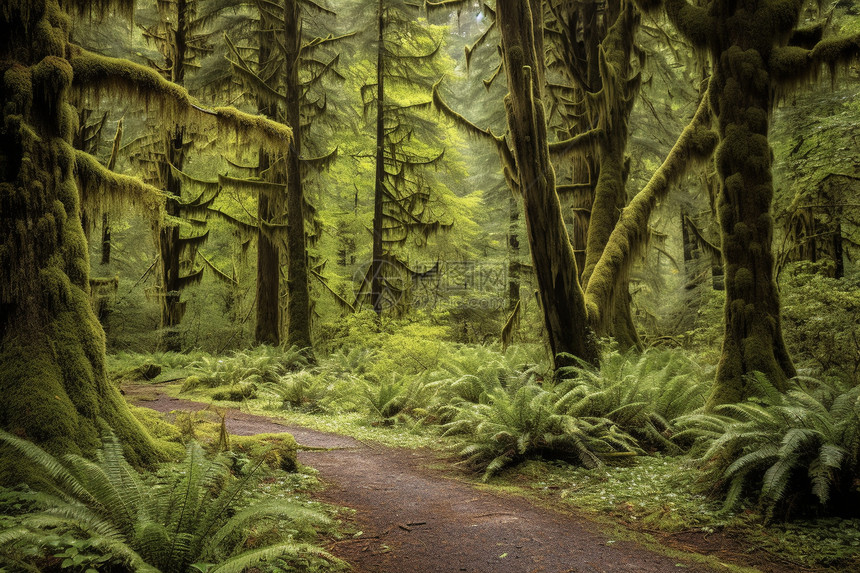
[[416, 519]]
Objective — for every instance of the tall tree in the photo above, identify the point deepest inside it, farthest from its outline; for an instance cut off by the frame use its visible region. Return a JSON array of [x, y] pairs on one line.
[[406, 52], [177, 33], [758, 53], [51, 345], [288, 81]]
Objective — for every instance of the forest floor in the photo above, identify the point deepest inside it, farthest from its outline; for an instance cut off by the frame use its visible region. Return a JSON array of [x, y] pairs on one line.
[[416, 513]]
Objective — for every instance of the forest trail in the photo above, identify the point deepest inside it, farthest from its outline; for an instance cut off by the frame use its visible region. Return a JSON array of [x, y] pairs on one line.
[[415, 519]]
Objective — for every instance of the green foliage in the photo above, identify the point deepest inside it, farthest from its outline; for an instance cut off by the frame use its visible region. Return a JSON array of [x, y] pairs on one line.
[[822, 321], [524, 421], [641, 393], [259, 365], [789, 450], [191, 516]]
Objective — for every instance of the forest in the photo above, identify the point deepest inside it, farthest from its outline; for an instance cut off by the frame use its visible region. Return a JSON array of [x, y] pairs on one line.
[[429, 285]]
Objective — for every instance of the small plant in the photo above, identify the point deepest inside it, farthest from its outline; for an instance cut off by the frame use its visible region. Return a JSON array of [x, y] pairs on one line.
[[300, 390], [395, 398], [196, 517], [786, 449]]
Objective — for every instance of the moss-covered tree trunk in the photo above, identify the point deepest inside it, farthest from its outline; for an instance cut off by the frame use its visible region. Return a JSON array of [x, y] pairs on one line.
[[53, 379], [742, 37], [298, 289], [597, 45], [169, 242], [376, 271], [267, 328], [561, 297], [172, 307], [753, 335], [513, 253]]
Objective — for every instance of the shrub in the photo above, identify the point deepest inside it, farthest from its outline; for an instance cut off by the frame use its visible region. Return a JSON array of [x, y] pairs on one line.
[[641, 393], [516, 423]]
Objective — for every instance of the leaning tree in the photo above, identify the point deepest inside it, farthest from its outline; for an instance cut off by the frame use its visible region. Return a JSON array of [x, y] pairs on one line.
[[573, 310], [51, 345]]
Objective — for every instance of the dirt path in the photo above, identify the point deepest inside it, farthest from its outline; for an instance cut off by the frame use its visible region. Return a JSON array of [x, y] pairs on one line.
[[419, 520]]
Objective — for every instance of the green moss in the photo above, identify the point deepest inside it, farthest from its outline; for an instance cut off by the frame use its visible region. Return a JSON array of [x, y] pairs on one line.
[[278, 451], [18, 84]]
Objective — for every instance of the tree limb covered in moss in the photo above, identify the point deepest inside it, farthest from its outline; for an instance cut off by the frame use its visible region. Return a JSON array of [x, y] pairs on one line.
[[694, 22], [576, 144], [92, 71], [696, 141], [792, 63], [470, 128], [93, 177], [219, 274]]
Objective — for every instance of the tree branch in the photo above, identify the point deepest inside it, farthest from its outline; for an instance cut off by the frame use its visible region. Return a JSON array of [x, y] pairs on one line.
[[95, 72], [695, 142], [792, 63]]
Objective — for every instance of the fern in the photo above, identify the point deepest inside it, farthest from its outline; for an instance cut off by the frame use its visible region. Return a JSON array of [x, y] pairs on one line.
[[516, 423], [782, 446], [199, 514], [642, 393]]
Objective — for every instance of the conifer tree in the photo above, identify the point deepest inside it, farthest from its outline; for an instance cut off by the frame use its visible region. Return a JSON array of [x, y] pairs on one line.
[[406, 55], [178, 35], [288, 82]]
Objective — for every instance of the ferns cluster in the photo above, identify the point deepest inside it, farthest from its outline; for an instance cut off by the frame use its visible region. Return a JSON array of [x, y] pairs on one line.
[[196, 518], [792, 450], [245, 371], [640, 393]]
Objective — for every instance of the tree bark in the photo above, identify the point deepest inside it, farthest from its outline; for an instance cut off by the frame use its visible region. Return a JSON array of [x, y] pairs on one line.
[[375, 271], [54, 386], [267, 329], [172, 308], [513, 253], [298, 294], [561, 297]]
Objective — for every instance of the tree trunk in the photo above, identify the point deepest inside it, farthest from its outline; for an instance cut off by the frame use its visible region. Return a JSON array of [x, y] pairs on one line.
[[53, 384], [267, 329], [268, 326], [562, 299], [375, 271], [105, 239], [513, 253], [753, 334], [298, 299], [172, 308]]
